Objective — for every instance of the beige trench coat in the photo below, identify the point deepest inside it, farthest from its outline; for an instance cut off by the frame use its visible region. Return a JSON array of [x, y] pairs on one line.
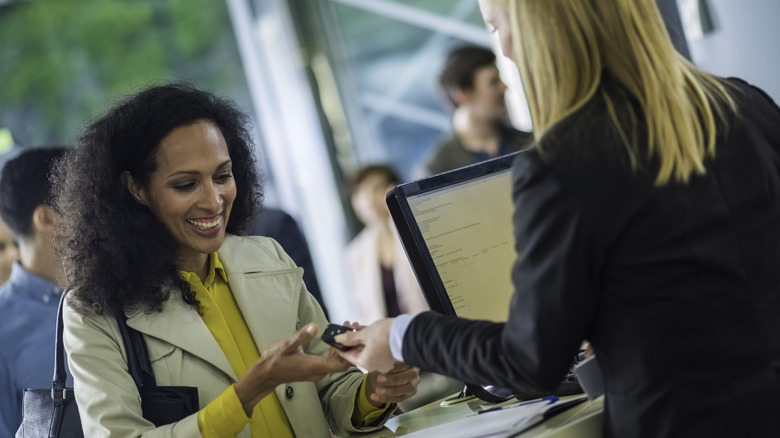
[[274, 302]]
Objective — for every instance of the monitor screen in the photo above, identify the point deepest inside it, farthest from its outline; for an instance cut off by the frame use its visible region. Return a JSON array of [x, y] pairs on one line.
[[457, 231]]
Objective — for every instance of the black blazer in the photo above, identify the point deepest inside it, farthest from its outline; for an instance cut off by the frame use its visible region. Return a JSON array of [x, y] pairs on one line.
[[677, 287]]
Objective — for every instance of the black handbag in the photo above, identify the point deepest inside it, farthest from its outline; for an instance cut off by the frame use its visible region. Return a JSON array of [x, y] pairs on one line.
[[52, 412], [160, 404]]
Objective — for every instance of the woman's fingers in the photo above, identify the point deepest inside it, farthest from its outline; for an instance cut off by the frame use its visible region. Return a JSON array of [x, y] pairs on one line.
[[304, 335], [284, 361], [394, 386], [316, 367], [354, 325]]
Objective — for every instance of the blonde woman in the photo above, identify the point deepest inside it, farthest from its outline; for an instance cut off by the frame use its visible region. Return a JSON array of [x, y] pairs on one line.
[[647, 222]]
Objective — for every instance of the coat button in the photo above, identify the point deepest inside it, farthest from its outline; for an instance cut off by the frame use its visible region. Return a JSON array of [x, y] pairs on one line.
[[289, 392]]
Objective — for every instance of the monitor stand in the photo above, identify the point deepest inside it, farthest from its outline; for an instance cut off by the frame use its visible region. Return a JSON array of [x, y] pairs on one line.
[[488, 393], [471, 392]]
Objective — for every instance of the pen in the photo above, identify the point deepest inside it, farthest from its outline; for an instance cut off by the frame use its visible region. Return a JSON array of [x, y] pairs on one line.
[[549, 399], [455, 400]]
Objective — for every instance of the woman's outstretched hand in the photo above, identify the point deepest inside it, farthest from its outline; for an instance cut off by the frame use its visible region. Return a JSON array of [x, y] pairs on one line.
[[283, 362]]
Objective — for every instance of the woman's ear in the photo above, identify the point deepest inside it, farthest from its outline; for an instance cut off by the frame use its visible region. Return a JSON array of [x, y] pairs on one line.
[[135, 190]]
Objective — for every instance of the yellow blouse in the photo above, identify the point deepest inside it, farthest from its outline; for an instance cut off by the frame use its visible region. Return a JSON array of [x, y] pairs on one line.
[[224, 416]]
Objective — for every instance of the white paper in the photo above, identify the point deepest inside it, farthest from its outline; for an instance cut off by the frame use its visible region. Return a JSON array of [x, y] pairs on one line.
[[505, 422]]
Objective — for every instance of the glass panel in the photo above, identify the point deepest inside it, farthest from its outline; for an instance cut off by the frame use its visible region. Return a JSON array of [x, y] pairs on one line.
[[444, 8], [394, 50]]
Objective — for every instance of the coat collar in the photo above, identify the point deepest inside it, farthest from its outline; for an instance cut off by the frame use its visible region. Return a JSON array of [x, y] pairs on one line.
[[266, 286], [180, 325]]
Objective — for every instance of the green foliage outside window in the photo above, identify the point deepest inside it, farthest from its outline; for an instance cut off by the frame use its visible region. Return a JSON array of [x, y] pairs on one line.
[[63, 61]]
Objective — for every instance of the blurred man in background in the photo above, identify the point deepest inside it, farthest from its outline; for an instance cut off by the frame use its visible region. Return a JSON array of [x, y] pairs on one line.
[[28, 300], [470, 80]]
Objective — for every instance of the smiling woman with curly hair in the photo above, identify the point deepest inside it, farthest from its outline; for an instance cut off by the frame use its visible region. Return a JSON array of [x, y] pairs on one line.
[[115, 251], [152, 202]]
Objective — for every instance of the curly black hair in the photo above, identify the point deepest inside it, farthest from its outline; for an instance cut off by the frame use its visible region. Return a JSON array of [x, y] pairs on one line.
[[116, 254]]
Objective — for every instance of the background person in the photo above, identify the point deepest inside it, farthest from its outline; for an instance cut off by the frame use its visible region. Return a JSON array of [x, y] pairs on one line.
[[152, 199], [381, 279], [382, 282], [9, 251], [647, 221], [28, 300], [471, 83]]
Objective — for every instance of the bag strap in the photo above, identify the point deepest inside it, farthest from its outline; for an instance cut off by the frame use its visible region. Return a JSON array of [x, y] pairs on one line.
[[58, 391], [60, 375], [138, 364]]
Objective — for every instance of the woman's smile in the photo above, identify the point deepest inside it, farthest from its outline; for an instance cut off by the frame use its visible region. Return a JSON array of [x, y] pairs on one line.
[[206, 225]]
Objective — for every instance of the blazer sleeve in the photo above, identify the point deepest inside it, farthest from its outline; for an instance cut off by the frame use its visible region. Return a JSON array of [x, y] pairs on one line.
[[555, 297]]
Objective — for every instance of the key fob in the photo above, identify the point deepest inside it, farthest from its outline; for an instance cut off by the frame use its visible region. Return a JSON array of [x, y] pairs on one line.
[[331, 331]]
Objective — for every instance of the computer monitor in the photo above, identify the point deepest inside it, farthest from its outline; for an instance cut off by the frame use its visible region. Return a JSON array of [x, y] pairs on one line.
[[456, 229]]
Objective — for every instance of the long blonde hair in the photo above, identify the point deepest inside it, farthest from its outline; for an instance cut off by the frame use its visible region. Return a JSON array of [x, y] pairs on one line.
[[562, 47]]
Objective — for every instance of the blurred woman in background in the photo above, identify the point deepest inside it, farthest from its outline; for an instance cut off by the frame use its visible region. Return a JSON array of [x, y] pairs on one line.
[[381, 278]]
